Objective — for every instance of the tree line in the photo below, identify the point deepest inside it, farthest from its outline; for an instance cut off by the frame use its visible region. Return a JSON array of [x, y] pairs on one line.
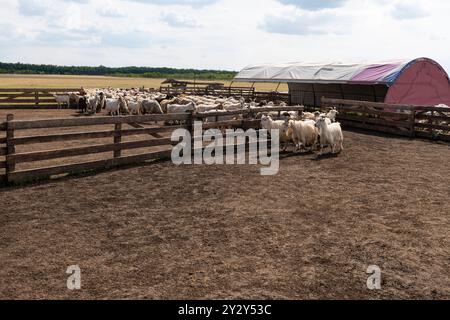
[[144, 72]]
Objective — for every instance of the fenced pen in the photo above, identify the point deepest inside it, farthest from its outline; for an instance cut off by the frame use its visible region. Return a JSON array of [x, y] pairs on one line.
[[32, 149], [17, 98], [38, 145]]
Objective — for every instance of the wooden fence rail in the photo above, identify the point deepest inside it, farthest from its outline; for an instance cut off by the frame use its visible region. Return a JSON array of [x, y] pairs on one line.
[[248, 93], [18, 141], [31, 98], [116, 146], [406, 120]]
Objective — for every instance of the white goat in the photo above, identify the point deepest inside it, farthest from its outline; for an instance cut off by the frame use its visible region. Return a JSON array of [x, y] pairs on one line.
[[304, 134], [62, 100], [135, 107], [332, 114], [92, 103], [151, 107], [330, 134], [269, 124], [180, 108], [113, 107]]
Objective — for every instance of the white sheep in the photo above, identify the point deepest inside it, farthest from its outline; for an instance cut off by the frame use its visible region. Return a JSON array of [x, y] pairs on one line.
[[113, 106], [92, 102], [304, 134], [330, 134], [62, 100], [180, 108], [269, 124], [151, 107], [135, 107], [332, 114]]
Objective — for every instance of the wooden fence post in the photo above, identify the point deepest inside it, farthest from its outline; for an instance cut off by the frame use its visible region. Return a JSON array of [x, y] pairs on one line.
[[191, 125], [36, 99], [413, 122], [431, 122], [10, 146], [117, 139]]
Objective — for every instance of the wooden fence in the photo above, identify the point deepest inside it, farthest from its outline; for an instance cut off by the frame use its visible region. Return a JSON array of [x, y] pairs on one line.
[[31, 98], [406, 120], [246, 92], [149, 126]]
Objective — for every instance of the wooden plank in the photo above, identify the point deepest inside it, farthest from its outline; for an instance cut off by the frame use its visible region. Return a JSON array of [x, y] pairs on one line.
[[426, 108], [138, 126], [382, 122], [55, 90], [3, 151], [11, 148], [17, 95], [432, 118], [245, 112], [371, 127], [72, 152], [26, 175], [2, 140], [356, 109], [24, 95], [24, 101], [337, 102], [428, 135], [215, 125], [73, 122], [90, 135], [117, 139], [29, 107], [433, 126]]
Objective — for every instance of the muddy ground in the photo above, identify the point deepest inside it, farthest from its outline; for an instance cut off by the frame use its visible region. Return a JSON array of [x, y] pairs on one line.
[[226, 232]]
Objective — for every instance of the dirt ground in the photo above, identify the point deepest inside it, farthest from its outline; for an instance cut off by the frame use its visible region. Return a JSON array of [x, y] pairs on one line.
[[226, 232]]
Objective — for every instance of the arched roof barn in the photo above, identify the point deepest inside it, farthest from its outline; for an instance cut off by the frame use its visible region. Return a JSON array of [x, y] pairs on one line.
[[419, 82]]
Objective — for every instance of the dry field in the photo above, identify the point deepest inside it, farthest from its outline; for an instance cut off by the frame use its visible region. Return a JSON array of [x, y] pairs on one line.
[[56, 81], [160, 231]]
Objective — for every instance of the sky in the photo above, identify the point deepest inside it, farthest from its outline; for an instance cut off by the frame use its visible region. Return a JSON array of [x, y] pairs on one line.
[[221, 34]]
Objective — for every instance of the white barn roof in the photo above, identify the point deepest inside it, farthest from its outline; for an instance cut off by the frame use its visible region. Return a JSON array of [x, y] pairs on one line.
[[335, 72]]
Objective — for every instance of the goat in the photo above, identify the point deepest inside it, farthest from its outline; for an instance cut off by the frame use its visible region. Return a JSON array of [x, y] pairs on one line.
[[62, 100], [330, 134]]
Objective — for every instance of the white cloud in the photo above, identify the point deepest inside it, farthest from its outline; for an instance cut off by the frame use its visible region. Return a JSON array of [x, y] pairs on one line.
[[314, 5], [177, 21], [406, 10], [33, 7], [220, 34]]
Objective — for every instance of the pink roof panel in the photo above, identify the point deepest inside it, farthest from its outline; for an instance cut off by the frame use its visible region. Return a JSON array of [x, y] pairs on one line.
[[377, 72]]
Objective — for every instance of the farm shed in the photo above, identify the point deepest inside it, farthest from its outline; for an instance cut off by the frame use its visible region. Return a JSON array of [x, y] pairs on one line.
[[418, 82]]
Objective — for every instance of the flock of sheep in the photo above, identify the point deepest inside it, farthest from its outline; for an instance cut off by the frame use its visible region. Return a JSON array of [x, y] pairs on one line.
[[304, 130], [310, 131], [146, 101]]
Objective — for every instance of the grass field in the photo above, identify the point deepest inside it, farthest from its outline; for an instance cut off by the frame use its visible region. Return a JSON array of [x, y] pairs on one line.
[[62, 81]]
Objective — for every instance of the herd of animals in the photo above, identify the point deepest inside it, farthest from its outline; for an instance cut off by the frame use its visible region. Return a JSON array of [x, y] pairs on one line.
[[308, 131], [304, 130]]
